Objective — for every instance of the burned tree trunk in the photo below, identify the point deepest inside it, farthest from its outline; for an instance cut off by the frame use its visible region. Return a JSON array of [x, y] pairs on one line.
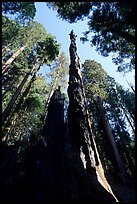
[[54, 170], [78, 119]]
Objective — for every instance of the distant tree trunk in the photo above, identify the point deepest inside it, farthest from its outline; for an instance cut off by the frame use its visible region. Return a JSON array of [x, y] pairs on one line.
[[51, 93], [128, 119], [12, 58], [17, 109], [110, 138], [131, 124], [131, 86], [5, 49], [13, 99], [131, 166], [124, 141], [15, 96], [49, 97]]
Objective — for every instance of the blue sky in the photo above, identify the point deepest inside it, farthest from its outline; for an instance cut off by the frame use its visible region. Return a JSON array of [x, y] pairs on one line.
[[61, 29]]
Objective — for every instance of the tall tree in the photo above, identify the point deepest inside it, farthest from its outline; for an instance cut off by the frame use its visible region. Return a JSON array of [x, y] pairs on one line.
[[29, 40], [111, 141], [57, 75], [98, 83], [45, 57], [79, 121]]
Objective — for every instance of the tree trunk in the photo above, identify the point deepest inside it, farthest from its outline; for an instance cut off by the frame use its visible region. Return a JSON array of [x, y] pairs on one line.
[[54, 170], [49, 97], [12, 58], [131, 86], [78, 119], [110, 138], [124, 141], [51, 93], [15, 96], [17, 109], [13, 99], [4, 50], [130, 122]]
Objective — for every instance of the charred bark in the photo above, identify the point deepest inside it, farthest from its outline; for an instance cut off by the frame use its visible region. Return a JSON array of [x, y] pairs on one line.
[[58, 172], [78, 119]]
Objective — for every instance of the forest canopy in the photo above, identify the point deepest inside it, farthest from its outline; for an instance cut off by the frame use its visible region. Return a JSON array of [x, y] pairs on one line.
[[111, 28]]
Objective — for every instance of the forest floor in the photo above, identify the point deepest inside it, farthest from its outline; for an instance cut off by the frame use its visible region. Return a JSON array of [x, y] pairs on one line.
[[124, 193]]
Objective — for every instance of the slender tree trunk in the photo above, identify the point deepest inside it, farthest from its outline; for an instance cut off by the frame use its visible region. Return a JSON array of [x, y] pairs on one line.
[[131, 86], [11, 59], [15, 96], [129, 161], [127, 152], [111, 140], [131, 124], [126, 112], [17, 109], [49, 97], [13, 99], [4, 50], [51, 93]]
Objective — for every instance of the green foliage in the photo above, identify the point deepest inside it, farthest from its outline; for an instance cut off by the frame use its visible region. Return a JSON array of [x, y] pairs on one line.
[[42, 48], [94, 77], [25, 11], [71, 11], [58, 71], [33, 102], [112, 25], [128, 98], [48, 49], [10, 29], [115, 102]]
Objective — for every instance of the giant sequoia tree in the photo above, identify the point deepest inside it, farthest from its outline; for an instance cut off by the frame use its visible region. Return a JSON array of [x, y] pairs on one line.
[[98, 84]]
